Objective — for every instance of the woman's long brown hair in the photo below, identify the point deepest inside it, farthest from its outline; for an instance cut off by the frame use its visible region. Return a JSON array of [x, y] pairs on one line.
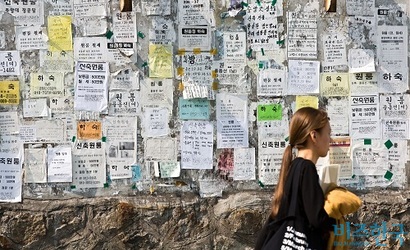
[[304, 121]]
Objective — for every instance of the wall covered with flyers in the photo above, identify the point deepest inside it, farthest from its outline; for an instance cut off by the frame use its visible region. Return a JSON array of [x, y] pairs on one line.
[[116, 97]]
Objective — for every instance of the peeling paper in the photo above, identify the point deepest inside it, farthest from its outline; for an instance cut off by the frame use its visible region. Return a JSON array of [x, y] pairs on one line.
[[210, 188], [91, 25], [35, 165], [160, 149]]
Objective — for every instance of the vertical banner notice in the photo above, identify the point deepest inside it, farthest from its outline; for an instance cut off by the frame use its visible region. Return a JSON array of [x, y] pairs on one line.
[[91, 92], [232, 121]]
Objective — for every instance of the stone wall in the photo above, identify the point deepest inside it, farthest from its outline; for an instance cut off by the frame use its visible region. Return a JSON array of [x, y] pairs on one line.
[[172, 221]]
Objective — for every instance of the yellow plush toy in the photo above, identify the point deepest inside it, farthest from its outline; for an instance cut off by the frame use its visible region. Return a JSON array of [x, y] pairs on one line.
[[338, 203]]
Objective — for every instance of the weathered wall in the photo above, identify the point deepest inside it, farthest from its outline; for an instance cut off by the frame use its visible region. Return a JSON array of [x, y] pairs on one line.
[[145, 211], [173, 221]]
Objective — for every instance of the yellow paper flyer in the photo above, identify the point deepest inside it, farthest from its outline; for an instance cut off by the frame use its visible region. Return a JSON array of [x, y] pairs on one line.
[[9, 92], [59, 33], [160, 61], [306, 101]]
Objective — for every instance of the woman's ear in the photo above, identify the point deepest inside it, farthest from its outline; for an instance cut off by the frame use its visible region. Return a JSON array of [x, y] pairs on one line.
[[313, 136]]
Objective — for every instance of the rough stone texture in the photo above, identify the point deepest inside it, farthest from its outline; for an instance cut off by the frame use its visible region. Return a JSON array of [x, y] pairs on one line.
[[171, 222]]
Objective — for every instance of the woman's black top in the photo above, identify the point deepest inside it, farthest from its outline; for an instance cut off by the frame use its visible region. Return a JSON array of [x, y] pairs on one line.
[[311, 202]]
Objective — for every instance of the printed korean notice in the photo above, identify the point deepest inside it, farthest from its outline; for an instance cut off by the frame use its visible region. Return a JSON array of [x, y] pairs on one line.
[[60, 105], [9, 92], [393, 68], [363, 83], [244, 164], [35, 170], [262, 25], [84, 8], [369, 157], [125, 26], [89, 169], [89, 130], [231, 69], [44, 131], [162, 31], [334, 49], [276, 129], [35, 108], [125, 79], [271, 82], [195, 12], [339, 153], [25, 13], [31, 37], [360, 7], [91, 81], [364, 116], [124, 102], [270, 152], [269, 112], [337, 110], [119, 53], [302, 35], [156, 7], [334, 84], [56, 61], [60, 8], [157, 92], [394, 106], [59, 33], [194, 109], [197, 145], [59, 164], [121, 145], [396, 149], [9, 123], [232, 121], [10, 144], [234, 44], [10, 63], [46, 84], [303, 77], [155, 122], [194, 38], [10, 177], [361, 60], [160, 61], [197, 75], [230, 74], [395, 129], [160, 149], [92, 49]]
